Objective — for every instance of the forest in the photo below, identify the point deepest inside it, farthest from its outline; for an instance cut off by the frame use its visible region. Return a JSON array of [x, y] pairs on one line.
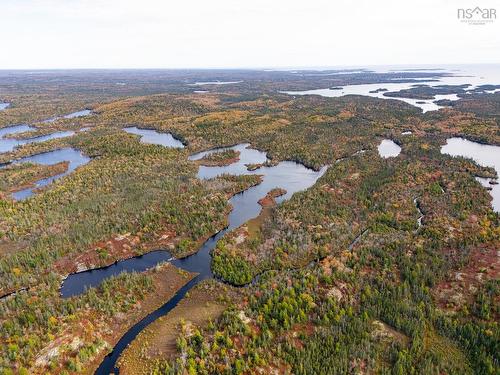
[[383, 266]]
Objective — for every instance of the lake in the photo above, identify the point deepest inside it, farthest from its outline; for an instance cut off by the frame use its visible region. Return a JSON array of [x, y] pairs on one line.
[[484, 155], [74, 157], [291, 176], [473, 75], [152, 136]]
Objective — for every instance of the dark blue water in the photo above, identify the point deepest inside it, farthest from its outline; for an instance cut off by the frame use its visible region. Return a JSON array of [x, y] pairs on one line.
[[71, 155], [108, 364], [199, 263], [288, 175], [154, 137], [81, 281]]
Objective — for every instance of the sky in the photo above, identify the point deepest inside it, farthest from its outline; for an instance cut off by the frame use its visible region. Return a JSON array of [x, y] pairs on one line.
[[53, 34]]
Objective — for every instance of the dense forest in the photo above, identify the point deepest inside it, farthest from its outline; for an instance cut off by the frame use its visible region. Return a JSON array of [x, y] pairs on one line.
[[383, 266]]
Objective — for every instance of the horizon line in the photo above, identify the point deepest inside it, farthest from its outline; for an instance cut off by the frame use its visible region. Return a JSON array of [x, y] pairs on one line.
[[269, 68]]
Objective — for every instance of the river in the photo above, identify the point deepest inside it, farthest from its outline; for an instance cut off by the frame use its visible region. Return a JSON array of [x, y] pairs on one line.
[[291, 176]]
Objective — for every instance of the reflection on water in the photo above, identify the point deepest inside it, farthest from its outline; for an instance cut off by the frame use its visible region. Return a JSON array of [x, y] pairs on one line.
[[154, 137], [388, 149], [3, 105], [74, 157], [77, 283], [292, 177], [494, 91], [484, 155]]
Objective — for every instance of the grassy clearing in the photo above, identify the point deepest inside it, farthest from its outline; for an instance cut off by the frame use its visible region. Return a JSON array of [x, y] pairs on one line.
[[160, 340]]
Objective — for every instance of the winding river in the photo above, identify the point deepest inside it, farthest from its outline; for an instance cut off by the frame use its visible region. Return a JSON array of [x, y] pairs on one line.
[[291, 176]]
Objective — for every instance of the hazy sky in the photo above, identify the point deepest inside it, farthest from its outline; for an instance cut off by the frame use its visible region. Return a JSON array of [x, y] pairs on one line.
[[240, 33]]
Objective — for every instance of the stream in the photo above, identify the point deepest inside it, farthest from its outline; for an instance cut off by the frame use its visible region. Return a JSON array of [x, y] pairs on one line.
[[288, 175], [291, 176]]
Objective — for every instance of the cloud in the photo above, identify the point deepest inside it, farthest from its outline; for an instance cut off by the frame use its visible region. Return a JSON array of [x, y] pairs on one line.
[[228, 33]]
